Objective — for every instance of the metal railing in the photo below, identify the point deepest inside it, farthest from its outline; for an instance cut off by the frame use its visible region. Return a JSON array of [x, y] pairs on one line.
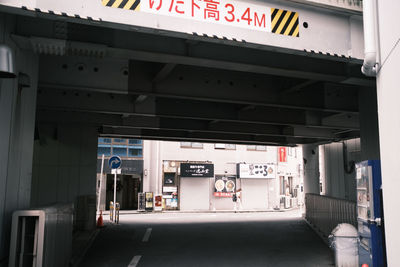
[[325, 213]]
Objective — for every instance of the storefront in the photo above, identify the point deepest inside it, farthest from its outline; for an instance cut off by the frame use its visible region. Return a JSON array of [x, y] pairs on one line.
[[257, 184], [170, 185], [195, 179]]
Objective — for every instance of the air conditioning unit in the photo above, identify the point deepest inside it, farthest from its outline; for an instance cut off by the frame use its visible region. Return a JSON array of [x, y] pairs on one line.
[[287, 202], [293, 202], [295, 192], [220, 146]]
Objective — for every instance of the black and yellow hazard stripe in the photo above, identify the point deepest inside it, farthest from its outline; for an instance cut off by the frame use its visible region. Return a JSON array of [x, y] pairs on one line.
[[285, 22], [124, 4]]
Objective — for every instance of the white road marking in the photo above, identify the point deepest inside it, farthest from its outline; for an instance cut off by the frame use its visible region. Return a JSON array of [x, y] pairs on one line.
[[135, 260], [146, 235]]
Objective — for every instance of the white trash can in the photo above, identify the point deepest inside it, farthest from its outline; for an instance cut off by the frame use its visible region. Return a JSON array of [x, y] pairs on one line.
[[344, 239]]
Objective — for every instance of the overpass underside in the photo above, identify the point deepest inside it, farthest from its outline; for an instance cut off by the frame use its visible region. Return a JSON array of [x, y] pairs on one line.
[[200, 89]]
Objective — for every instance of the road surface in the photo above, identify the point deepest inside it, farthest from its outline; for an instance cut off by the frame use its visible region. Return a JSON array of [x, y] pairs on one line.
[[209, 239]]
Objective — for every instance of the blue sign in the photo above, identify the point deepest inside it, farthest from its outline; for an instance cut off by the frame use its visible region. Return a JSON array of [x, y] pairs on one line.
[[114, 162]]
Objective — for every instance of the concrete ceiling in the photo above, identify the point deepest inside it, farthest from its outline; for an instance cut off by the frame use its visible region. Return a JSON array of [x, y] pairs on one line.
[[202, 89]]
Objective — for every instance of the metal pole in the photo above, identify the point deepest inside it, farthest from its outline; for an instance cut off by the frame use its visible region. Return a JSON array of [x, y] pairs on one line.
[[101, 182], [115, 193]]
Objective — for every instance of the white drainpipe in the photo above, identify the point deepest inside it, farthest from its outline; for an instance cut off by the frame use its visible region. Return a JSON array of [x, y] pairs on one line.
[[370, 65]]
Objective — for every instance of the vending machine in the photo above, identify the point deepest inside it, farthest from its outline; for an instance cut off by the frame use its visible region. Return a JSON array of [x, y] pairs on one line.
[[370, 214], [149, 201]]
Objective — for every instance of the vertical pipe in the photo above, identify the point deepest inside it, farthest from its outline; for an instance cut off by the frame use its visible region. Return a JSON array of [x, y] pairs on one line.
[[369, 66], [115, 193], [101, 182]]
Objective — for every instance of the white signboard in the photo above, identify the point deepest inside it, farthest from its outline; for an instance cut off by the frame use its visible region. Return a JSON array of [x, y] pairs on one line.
[[259, 170], [170, 189], [226, 12]]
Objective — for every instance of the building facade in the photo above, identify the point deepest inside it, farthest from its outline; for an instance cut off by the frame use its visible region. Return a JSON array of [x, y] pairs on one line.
[[263, 177]]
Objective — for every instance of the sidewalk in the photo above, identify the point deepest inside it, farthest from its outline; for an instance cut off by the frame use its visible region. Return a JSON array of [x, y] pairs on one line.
[[122, 212]]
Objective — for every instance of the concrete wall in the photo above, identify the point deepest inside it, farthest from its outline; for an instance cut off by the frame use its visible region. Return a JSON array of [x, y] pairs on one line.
[[389, 122], [17, 121], [337, 182], [64, 166]]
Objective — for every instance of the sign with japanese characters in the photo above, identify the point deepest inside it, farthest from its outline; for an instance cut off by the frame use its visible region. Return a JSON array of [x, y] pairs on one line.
[[197, 170], [262, 170], [235, 13], [226, 12], [282, 155]]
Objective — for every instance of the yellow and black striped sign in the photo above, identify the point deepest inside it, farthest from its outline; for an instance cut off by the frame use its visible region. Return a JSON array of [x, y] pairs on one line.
[[285, 22], [124, 4]]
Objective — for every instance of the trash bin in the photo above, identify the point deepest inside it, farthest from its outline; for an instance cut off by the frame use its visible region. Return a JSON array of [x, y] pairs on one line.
[[344, 240]]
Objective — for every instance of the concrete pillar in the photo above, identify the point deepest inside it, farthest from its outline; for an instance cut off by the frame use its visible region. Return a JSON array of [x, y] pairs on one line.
[[389, 123], [17, 124], [369, 132], [311, 169], [153, 166]]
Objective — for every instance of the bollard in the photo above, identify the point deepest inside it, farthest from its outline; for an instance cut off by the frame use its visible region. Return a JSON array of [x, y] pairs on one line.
[[344, 239], [117, 212], [111, 211]]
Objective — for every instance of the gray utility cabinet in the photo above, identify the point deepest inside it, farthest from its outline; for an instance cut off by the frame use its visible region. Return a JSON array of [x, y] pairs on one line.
[[42, 237]]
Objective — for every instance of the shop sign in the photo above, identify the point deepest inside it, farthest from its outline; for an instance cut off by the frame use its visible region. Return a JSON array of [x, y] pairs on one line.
[[264, 170], [224, 186], [282, 155], [197, 170], [158, 202], [169, 189]]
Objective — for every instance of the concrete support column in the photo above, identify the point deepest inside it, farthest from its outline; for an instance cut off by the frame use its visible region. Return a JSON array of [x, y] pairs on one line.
[[369, 131], [153, 167], [17, 124], [311, 169]]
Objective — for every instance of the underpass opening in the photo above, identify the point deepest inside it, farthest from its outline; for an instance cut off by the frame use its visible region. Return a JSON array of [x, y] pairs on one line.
[[118, 83], [194, 176]]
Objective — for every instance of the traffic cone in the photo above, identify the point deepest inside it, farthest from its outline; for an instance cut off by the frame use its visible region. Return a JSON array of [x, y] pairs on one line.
[[100, 220]]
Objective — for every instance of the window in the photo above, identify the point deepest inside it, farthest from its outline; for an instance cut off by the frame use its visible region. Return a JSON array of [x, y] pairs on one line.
[[135, 142], [120, 147], [191, 145], [104, 149], [104, 140], [225, 146], [135, 152], [257, 148], [120, 151]]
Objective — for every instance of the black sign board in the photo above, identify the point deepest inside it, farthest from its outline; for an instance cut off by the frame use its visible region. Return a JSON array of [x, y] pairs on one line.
[[197, 170]]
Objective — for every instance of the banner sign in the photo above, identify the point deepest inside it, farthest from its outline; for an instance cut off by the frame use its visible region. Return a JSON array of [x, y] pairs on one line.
[[197, 170], [282, 154], [224, 186], [265, 170], [236, 13], [226, 12]]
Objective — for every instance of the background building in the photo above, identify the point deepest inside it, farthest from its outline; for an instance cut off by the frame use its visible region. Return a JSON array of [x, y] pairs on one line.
[[162, 174], [129, 182]]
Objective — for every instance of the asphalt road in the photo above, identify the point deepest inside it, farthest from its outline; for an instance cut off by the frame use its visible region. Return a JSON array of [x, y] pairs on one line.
[[207, 239]]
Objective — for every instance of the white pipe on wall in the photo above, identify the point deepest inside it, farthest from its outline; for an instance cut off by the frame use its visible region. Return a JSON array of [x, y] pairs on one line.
[[369, 66]]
